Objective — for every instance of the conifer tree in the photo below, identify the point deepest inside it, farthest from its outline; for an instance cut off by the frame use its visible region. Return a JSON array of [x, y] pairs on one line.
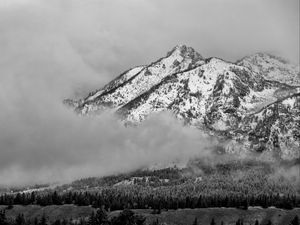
[[20, 220], [57, 222], [295, 221], [3, 219], [239, 222], [92, 219], [195, 221], [269, 222], [36, 222], [155, 222], [43, 220], [64, 222], [101, 217]]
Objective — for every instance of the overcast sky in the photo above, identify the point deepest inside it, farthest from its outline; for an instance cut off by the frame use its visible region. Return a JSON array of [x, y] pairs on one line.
[[50, 50]]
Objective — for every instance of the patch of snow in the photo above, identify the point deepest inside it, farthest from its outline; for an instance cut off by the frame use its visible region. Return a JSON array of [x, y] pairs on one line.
[[289, 102]]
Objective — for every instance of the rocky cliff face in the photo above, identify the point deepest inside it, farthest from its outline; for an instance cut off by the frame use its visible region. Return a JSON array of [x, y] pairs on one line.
[[252, 104]]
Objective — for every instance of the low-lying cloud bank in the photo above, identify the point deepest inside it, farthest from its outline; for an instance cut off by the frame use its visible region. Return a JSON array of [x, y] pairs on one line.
[[51, 48], [62, 146]]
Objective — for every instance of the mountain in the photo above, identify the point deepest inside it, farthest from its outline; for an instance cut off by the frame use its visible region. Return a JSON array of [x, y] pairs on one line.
[[274, 128], [252, 104], [136, 81], [272, 68]]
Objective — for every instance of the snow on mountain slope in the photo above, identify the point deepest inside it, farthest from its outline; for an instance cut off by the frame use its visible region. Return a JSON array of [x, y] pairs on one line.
[[275, 128], [180, 58], [216, 94], [111, 85], [272, 68], [252, 104], [116, 82]]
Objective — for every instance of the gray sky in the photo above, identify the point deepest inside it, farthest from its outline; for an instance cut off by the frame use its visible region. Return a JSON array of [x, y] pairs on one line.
[[50, 50]]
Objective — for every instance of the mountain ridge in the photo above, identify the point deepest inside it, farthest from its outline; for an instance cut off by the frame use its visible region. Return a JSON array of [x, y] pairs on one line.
[[209, 93], [181, 56]]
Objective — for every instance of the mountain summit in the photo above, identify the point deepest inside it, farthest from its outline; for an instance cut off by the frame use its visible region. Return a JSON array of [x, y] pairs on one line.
[[253, 104], [134, 82]]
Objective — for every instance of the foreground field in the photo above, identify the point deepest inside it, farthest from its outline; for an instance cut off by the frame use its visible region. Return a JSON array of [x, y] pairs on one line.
[[227, 215], [171, 217]]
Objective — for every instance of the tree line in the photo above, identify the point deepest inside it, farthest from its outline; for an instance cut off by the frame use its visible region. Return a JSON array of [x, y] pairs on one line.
[[115, 199]]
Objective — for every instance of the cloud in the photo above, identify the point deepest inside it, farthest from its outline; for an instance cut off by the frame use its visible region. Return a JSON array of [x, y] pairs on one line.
[[64, 146], [51, 50]]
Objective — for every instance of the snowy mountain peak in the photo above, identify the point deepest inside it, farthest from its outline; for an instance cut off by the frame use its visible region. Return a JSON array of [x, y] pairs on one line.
[[137, 81], [185, 51], [253, 103]]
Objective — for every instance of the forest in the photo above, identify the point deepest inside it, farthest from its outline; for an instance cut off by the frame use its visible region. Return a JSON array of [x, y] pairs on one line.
[[230, 185]]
